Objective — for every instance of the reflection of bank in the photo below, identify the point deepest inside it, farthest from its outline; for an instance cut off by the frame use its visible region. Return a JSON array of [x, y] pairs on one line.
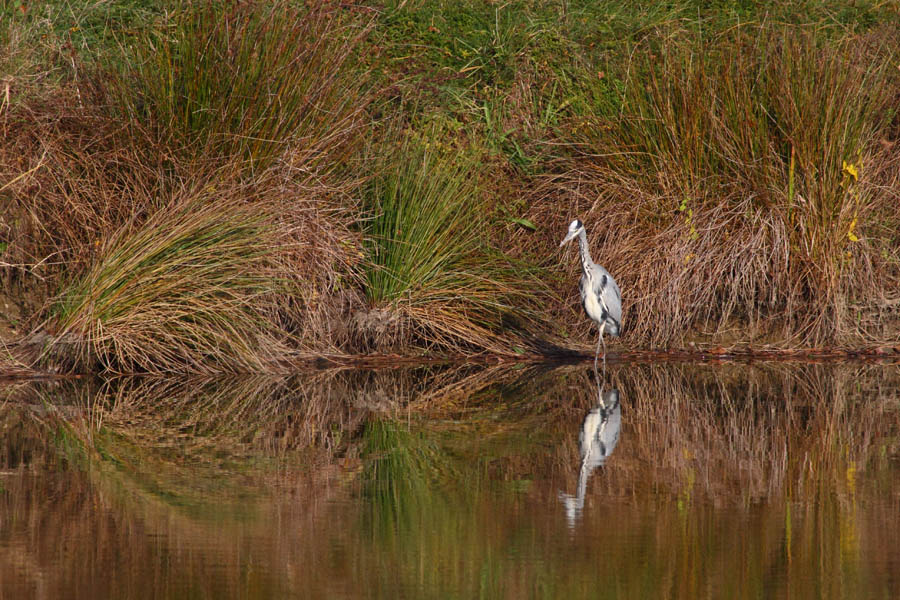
[[598, 438]]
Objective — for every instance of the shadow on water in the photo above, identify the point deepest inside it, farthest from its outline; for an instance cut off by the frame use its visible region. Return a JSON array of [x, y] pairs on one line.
[[688, 480]]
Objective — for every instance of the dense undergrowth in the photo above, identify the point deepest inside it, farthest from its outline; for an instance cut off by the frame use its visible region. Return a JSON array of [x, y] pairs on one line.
[[224, 185]]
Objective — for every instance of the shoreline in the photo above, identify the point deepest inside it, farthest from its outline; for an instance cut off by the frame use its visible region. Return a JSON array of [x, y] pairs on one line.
[[306, 364]]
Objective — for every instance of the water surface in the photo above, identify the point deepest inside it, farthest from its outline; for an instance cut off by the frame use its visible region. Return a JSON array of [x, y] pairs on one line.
[[676, 481]]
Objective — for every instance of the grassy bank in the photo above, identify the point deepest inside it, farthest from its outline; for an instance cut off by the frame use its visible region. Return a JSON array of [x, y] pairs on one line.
[[224, 186]]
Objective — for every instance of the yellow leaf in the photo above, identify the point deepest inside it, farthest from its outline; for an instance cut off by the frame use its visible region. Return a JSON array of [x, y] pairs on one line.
[[851, 170], [852, 236]]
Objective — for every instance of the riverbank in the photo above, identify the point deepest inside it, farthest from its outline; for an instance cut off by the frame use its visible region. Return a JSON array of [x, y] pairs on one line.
[[195, 190]]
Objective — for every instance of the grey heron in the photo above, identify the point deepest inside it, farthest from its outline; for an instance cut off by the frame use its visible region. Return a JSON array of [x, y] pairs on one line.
[[600, 294]]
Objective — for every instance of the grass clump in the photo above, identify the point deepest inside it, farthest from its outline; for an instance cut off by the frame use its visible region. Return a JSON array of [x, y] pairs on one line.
[[249, 81], [431, 275], [186, 291], [98, 206], [743, 168]]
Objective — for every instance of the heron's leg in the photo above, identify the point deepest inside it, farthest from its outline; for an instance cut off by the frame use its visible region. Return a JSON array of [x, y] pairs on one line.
[[599, 342], [604, 351]]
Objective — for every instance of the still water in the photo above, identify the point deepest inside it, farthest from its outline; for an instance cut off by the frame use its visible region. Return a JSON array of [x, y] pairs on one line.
[[666, 481]]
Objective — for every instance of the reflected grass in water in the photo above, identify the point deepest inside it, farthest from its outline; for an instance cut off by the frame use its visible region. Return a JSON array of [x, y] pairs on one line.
[[727, 481]]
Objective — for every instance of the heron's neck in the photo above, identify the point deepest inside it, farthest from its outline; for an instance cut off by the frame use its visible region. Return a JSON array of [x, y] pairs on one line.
[[586, 261]]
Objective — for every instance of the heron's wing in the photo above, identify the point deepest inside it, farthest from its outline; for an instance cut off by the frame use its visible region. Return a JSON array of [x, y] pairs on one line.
[[607, 290]]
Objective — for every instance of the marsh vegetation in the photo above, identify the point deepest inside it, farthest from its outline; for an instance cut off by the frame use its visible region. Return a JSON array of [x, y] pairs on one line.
[[230, 186]]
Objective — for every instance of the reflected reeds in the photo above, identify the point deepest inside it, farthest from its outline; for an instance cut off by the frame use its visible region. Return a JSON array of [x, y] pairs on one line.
[[729, 480], [746, 434]]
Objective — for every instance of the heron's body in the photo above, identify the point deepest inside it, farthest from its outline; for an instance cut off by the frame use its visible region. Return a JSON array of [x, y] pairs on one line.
[[600, 295]]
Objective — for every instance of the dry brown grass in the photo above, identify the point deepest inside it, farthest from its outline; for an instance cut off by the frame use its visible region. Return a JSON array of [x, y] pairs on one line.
[[188, 287], [82, 189], [79, 190], [69, 181], [723, 193]]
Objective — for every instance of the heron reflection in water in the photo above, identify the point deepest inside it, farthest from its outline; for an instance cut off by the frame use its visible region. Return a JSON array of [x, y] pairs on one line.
[[597, 440]]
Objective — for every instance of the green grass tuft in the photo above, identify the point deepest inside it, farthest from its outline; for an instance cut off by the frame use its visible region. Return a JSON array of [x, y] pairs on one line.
[[429, 260]]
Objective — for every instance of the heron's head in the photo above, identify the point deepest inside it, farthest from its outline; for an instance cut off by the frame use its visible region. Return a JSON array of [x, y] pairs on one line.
[[575, 227]]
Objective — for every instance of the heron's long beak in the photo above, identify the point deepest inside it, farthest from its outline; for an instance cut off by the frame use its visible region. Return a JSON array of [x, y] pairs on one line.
[[568, 237]]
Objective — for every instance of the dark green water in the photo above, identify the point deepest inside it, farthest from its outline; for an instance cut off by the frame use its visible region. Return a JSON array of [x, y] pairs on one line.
[[690, 481]]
